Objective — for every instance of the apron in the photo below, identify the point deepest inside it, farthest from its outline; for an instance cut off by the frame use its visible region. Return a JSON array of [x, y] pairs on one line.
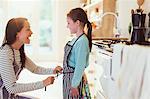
[[68, 73], [4, 94]]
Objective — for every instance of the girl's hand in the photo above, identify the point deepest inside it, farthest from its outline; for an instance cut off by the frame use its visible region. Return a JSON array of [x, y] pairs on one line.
[[58, 69], [49, 80], [74, 92], [84, 79]]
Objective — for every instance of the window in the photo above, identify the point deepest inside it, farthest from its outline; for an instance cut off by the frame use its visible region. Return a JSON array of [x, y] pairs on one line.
[[39, 13]]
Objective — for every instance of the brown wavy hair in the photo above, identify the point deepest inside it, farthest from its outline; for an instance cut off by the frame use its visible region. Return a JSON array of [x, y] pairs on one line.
[[13, 26], [80, 14]]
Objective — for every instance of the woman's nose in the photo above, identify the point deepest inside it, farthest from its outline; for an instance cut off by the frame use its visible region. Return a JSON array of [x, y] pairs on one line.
[[31, 32]]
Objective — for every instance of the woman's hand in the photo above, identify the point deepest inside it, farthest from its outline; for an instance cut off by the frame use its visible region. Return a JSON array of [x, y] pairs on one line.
[[49, 80], [74, 92], [58, 69]]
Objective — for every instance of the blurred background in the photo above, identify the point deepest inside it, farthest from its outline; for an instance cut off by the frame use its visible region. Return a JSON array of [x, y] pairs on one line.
[[47, 19]]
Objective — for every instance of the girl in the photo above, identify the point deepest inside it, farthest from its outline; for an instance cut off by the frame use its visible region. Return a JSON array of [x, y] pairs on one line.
[[76, 57], [13, 60]]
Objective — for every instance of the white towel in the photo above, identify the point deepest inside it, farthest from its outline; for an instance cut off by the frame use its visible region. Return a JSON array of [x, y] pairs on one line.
[[116, 65], [145, 92], [131, 75], [116, 59]]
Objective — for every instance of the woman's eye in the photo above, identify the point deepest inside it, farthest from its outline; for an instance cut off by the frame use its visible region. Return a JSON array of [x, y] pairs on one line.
[[28, 29]]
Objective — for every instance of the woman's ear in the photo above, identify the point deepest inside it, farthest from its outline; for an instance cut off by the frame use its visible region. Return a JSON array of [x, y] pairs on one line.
[[18, 35]]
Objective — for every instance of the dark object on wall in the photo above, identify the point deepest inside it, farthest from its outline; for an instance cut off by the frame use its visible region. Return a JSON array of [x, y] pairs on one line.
[[149, 20], [147, 36], [139, 29]]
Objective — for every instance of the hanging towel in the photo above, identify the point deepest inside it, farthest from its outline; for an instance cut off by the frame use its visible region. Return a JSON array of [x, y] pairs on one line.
[[130, 79]]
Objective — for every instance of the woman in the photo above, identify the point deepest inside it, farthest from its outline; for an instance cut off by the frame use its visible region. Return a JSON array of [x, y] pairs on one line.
[[76, 57], [13, 60]]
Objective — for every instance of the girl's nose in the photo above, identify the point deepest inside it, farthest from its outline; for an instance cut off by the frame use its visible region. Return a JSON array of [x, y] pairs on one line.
[[67, 26]]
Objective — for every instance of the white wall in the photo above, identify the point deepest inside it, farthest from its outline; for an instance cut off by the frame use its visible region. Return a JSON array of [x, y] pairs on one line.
[[61, 33], [124, 10], [146, 7], [62, 7], [3, 16]]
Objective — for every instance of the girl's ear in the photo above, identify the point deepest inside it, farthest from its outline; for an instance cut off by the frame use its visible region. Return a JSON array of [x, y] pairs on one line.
[[78, 22]]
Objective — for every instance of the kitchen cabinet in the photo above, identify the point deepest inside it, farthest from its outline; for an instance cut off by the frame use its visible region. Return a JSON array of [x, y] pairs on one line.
[[90, 73], [94, 9], [94, 72], [104, 84], [102, 15]]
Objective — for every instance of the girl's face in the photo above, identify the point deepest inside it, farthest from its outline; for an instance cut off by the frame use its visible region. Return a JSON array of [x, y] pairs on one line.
[[25, 33], [73, 26]]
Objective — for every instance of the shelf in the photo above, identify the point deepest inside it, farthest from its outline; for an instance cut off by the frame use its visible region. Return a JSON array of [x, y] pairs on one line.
[[108, 38], [92, 5]]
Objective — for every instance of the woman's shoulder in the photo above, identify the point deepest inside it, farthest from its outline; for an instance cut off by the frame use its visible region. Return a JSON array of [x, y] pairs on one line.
[[6, 51], [5, 48]]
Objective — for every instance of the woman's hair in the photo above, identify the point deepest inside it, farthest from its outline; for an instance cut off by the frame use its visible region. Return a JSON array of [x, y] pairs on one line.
[[14, 26], [80, 14]]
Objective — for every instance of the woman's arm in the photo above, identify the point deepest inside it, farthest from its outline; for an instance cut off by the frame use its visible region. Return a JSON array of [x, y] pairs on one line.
[[8, 75], [31, 66]]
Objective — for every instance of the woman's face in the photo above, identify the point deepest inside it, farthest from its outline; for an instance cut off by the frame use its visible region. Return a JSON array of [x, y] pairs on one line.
[[25, 33], [73, 26]]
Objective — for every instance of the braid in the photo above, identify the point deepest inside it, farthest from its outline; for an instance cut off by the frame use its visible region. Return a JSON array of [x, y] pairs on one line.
[[89, 34], [22, 55]]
